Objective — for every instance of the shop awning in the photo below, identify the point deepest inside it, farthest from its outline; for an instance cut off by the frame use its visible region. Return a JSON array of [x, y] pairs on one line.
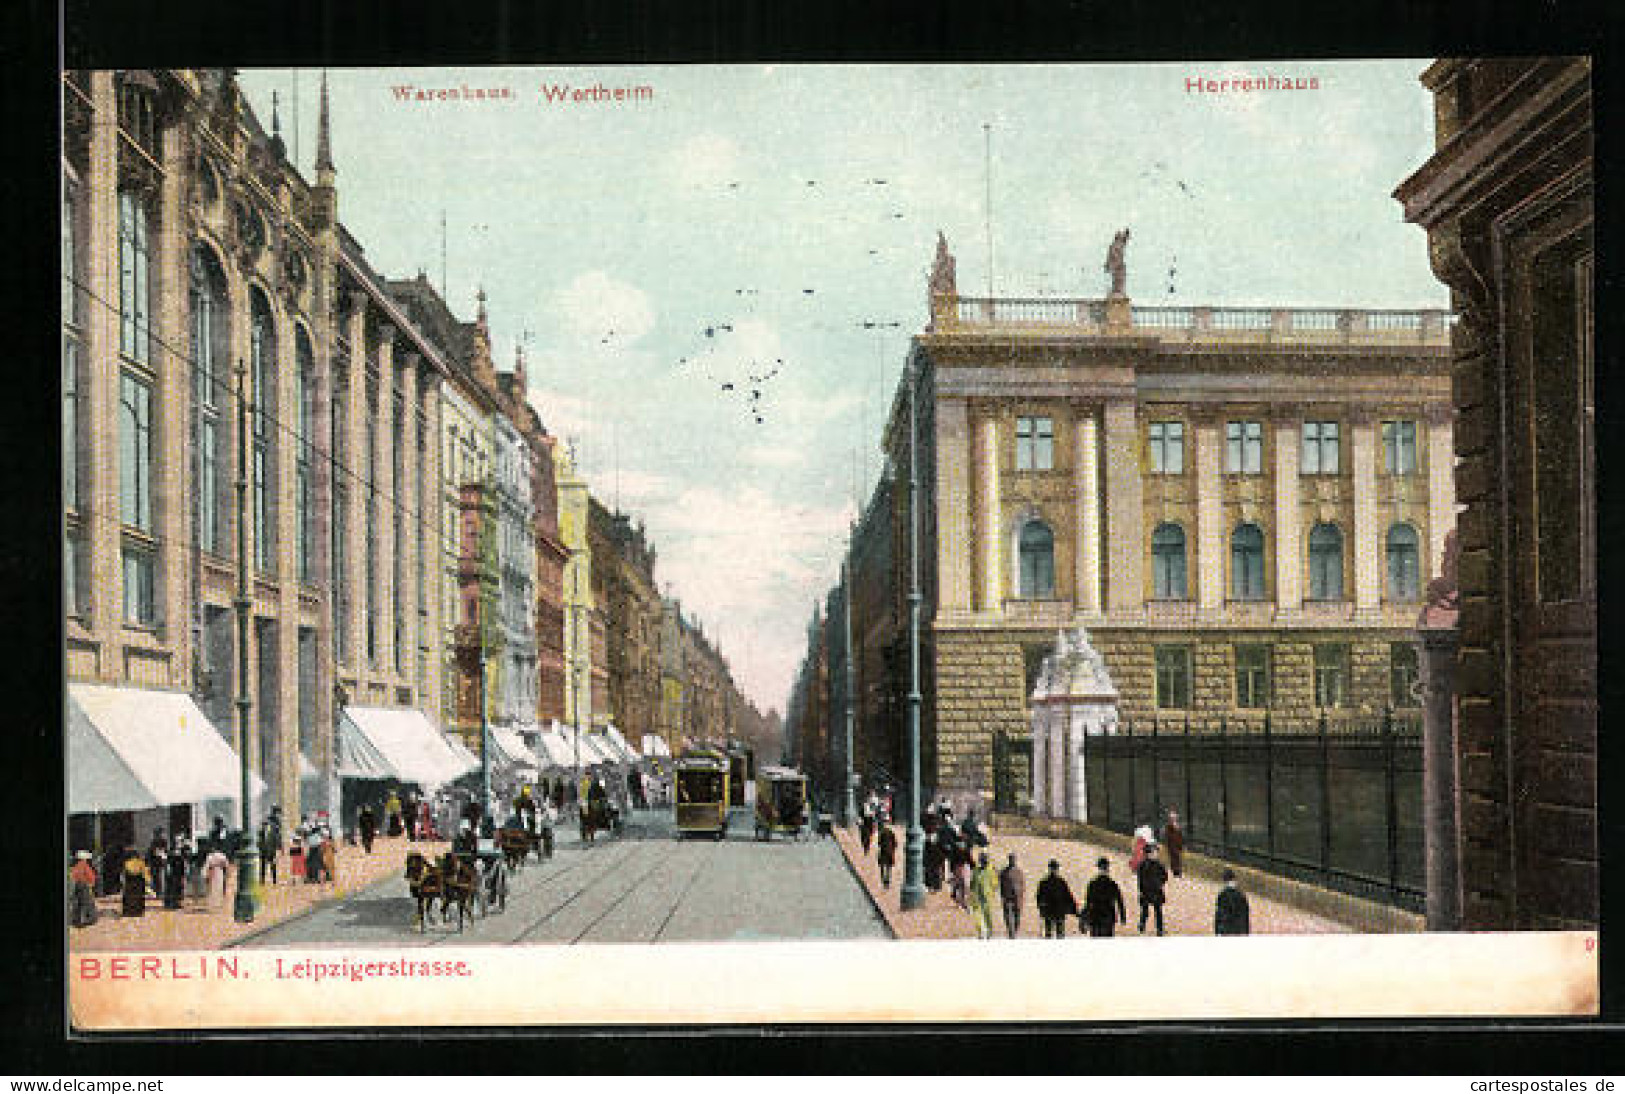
[[132, 748], [405, 742], [553, 748], [654, 745], [604, 751], [464, 754], [508, 749], [624, 747]]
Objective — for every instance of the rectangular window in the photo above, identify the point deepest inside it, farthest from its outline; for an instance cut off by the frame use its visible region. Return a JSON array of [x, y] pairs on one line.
[[209, 485], [1404, 676], [135, 451], [1399, 448], [140, 574], [1173, 677], [1252, 676], [70, 422], [1035, 444], [1320, 452], [73, 599], [134, 270], [70, 259], [1244, 448], [301, 503], [264, 547], [1331, 675], [1167, 442]]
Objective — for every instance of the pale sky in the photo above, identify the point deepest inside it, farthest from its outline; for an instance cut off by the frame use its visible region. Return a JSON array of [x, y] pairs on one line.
[[610, 235]]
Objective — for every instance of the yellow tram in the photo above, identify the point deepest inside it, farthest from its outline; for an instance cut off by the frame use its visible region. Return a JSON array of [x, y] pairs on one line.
[[701, 785], [781, 802]]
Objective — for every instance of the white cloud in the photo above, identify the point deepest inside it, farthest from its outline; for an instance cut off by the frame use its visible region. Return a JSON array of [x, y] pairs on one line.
[[706, 160], [595, 307]]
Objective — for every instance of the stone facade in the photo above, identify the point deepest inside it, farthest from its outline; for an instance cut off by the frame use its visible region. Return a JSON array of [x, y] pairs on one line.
[[1507, 201]]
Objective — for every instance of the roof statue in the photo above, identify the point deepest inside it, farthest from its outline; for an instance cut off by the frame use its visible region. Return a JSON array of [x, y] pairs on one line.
[[942, 270], [1115, 264]]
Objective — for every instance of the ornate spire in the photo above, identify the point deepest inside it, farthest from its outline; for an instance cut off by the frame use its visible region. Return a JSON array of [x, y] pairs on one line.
[[277, 144], [324, 146]]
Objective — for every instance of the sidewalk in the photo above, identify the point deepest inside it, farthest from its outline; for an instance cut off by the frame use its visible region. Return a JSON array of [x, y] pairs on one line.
[[195, 927], [1188, 911]]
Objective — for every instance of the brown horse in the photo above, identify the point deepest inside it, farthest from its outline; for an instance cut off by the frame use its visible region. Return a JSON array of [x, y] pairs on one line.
[[427, 885], [460, 881], [515, 844]]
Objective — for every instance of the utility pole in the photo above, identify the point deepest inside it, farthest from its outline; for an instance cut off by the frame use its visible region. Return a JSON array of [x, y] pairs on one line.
[[246, 905], [913, 893]]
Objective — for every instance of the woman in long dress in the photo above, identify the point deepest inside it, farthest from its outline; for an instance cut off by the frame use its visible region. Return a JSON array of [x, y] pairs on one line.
[[174, 882], [214, 873], [135, 884]]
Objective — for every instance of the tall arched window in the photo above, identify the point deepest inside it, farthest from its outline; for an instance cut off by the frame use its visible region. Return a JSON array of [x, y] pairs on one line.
[[1247, 563], [1404, 568], [211, 340], [262, 397], [304, 378], [1168, 562], [1037, 548], [1325, 563]]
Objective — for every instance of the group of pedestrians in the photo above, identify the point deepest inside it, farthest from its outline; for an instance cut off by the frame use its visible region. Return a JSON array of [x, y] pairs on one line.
[[172, 869]]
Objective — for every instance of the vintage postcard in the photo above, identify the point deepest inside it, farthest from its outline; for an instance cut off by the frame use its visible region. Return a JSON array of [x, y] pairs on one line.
[[828, 544]]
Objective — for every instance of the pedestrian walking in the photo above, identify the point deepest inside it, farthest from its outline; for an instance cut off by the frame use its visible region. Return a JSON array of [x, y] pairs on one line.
[[270, 847], [886, 854], [866, 829], [1012, 891], [82, 896], [1103, 905], [393, 824], [984, 895], [971, 832], [194, 868], [136, 876], [368, 824], [932, 859], [1173, 838], [313, 855], [215, 866], [1153, 879], [1142, 836], [1230, 912], [1055, 902], [961, 864], [174, 881], [110, 877], [330, 856], [158, 872]]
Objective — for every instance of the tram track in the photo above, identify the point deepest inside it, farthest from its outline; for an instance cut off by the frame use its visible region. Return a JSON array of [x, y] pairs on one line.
[[705, 862]]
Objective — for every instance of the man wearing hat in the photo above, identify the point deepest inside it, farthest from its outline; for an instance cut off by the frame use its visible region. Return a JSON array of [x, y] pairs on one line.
[[1012, 891], [1103, 903], [1055, 902], [1230, 912], [1153, 878]]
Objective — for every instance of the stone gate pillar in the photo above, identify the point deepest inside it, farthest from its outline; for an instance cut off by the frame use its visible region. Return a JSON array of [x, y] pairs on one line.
[[1074, 697]]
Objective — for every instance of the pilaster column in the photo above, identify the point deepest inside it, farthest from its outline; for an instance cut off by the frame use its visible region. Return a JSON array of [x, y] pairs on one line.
[[284, 778], [988, 547], [1441, 485], [389, 503], [410, 512], [954, 510], [322, 746], [1040, 765], [356, 579], [432, 516], [1126, 541], [1086, 473], [100, 366], [1289, 554], [172, 400], [1210, 532], [1364, 545]]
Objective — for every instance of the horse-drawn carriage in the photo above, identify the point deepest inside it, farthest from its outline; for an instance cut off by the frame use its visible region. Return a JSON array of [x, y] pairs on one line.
[[781, 802], [469, 879]]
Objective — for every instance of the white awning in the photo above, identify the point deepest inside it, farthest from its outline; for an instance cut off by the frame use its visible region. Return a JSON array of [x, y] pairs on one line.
[[513, 748], [603, 750], [358, 757], [655, 745], [132, 748], [463, 753], [409, 744], [553, 747], [622, 745]]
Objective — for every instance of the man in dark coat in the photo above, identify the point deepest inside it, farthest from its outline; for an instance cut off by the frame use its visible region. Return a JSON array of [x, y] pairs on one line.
[[1012, 891], [368, 824], [1153, 878], [1103, 903], [1055, 902], [174, 879], [1173, 838], [886, 854], [1230, 912], [270, 848]]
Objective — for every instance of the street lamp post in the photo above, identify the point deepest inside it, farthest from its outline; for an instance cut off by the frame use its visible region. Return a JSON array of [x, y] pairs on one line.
[[485, 738], [913, 893], [246, 904]]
